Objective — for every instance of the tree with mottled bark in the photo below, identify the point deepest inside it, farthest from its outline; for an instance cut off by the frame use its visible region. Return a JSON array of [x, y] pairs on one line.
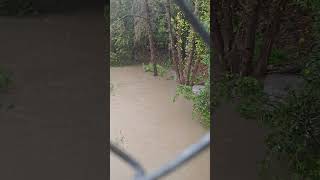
[[183, 49]]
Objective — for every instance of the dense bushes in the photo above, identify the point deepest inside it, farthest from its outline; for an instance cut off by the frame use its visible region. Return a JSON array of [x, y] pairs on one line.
[[201, 102], [294, 124], [178, 47], [294, 121], [129, 40]]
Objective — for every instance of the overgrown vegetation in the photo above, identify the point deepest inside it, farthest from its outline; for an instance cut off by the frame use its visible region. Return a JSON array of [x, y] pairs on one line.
[[295, 132], [294, 120], [250, 42], [201, 102], [157, 35], [295, 124]]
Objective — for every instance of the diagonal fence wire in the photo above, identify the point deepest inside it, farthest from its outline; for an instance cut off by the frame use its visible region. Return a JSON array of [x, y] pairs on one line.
[[191, 151], [181, 159], [130, 160], [195, 23]]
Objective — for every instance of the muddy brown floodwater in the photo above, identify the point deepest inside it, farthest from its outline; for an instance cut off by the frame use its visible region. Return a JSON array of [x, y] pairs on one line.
[[146, 123]]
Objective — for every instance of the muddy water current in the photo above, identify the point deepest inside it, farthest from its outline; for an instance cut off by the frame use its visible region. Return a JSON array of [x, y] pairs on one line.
[[146, 123]]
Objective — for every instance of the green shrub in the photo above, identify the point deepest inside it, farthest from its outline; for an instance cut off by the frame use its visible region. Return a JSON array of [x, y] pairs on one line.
[[252, 99], [294, 124], [201, 106], [277, 57], [312, 69], [246, 92], [201, 102], [294, 121]]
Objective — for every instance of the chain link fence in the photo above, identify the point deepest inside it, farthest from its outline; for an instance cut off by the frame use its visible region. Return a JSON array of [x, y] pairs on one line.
[[194, 149]]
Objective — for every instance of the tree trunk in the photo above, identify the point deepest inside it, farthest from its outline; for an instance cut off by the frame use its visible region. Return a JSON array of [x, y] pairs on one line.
[[134, 48], [151, 39], [247, 56], [192, 46], [227, 26], [195, 71], [269, 39], [216, 33], [169, 51], [219, 64], [172, 40], [190, 60], [233, 57], [180, 60]]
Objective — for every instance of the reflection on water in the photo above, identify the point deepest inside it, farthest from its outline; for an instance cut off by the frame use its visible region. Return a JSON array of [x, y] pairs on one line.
[[146, 123]]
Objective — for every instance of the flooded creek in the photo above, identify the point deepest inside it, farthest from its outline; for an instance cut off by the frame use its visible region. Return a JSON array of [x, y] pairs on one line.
[[146, 123]]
